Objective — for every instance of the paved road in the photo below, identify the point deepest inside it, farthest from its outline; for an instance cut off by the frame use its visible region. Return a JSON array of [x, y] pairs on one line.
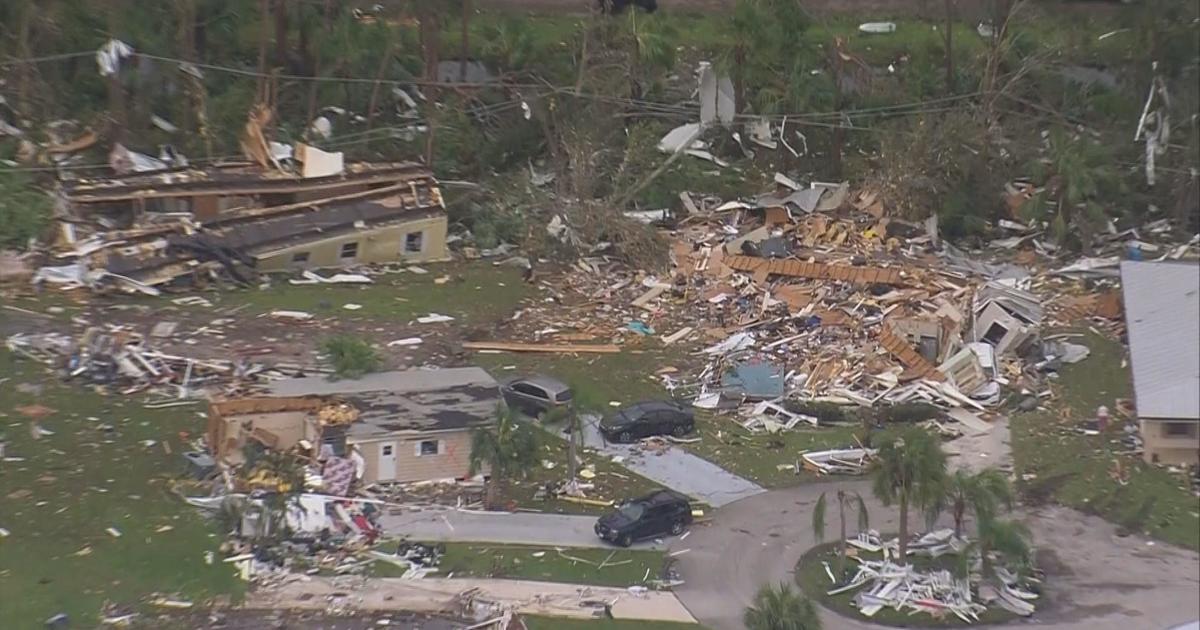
[[1098, 581], [677, 469], [552, 530]]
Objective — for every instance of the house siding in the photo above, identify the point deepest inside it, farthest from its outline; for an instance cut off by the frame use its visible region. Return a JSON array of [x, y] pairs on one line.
[[451, 462], [1160, 447], [381, 244]]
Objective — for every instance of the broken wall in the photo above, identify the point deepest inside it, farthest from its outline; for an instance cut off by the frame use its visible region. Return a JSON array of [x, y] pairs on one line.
[[381, 244], [282, 430]]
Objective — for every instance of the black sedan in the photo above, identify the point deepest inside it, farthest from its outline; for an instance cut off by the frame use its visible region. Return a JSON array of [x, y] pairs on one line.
[[656, 514], [645, 419]]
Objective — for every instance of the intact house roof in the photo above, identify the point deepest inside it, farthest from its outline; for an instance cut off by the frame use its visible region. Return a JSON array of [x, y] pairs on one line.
[[1162, 315], [407, 401]]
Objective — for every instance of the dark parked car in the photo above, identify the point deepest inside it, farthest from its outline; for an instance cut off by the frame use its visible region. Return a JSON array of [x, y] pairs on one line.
[[644, 419], [535, 395], [656, 514]]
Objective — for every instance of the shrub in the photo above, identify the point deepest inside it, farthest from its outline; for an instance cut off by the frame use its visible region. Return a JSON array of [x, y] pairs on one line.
[[24, 210], [350, 356]]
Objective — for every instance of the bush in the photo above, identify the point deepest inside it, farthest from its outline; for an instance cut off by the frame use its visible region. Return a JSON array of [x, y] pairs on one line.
[[24, 210], [350, 356], [908, 412]]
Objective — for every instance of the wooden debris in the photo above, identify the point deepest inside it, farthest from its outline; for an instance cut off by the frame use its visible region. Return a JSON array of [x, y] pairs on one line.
[[541, 347]]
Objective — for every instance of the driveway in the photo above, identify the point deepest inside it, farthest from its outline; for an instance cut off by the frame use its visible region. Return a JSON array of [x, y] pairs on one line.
[[1097, 580], [676, 469], [518, 528]]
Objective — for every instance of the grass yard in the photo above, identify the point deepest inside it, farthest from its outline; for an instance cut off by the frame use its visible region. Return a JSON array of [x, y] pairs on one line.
[[757, 456], [1055, 462], [596, 379], [70, 487], [472, 293], [612, 481], [601, 379], [810, 575], [624, 567], [554, 623]]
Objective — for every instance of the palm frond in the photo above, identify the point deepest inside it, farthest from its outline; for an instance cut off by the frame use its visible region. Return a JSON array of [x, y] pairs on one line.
[[818, 518]]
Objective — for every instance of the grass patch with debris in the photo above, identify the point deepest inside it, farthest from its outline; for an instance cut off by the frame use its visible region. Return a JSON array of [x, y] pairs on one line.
[[623, 567], [471, 292], [810, 575], [103, 467], [1055, 462], [758, 456], [557, 623], [612, 481], [597, 380]]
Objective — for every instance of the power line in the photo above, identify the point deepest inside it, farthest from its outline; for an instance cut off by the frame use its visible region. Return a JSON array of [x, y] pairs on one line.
[[544, 89]]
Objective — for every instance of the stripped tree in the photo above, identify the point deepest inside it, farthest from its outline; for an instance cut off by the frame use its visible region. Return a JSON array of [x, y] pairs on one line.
[[818, 521]]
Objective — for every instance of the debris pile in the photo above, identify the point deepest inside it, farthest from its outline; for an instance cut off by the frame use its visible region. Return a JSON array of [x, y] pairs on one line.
[[120, 357], [885, 584]]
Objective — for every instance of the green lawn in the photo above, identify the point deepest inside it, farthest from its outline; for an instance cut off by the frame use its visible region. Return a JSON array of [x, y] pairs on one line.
[[555, 623], [1055, 462], [624, 567], [757, 456], [810, 575], [612, 481], [75, 484], [599, 380], [472, 293], [596, 379]]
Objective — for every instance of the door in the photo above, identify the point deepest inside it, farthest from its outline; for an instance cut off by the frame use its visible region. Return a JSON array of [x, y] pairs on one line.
[[645, 525], [387, 462]]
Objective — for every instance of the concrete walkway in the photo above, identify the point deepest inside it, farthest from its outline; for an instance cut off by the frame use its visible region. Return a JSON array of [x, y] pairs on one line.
[[676, 469], [517, 528], [438, 595]]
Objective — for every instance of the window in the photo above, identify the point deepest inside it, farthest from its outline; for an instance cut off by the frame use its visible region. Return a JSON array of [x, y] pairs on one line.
[[300, 258], [529, 390], [413, 242], [427, 447], [349, 250], [387, 450], [1179, 429]]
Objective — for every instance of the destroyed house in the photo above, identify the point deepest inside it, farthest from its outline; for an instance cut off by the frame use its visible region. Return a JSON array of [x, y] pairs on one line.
[[1162, 315], [401, 223], [406, 426], [126, 201]]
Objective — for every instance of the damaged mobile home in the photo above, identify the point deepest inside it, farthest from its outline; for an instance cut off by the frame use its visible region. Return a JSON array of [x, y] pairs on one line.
[[150, 229], [402, 426]]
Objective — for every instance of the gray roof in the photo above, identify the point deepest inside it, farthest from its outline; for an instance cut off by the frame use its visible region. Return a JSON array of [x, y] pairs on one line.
[[407, 401], [1162, 314]]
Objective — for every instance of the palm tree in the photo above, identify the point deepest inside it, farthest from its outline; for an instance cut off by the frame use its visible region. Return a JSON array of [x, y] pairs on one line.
[[983, 493], [779, 607], [653, 51], [1009, 539], [506, 450], [909, 469], [1076, 171], [818, 521]]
